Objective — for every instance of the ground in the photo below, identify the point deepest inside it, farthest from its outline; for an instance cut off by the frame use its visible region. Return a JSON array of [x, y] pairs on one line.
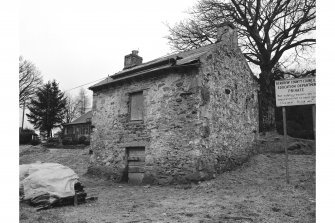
[[254, 192]]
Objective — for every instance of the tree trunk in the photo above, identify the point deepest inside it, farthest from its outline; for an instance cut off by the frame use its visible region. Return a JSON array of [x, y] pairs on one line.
[[48, 134], [267, 102]]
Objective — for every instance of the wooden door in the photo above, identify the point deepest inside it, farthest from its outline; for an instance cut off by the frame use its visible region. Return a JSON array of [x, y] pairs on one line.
[[136, 163]]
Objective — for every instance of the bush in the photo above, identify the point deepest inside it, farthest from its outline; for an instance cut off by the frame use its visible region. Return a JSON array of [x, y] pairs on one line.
[[69, 141], [52, 142], [66, 141], [26, 136], [299, 121], [295, 129], [75, 142], [84, 140], [35, 142]]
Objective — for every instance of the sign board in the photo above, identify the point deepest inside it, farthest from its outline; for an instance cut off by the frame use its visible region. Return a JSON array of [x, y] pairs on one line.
[[295, 92]]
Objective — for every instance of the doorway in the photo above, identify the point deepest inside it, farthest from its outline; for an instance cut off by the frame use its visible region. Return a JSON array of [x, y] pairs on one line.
[[135, 164]]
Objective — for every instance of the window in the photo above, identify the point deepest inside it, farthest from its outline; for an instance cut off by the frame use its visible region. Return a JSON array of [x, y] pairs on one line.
[[136, 106]]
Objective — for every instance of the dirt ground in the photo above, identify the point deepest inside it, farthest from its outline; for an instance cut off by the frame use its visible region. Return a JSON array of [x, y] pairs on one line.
[[254, 192]]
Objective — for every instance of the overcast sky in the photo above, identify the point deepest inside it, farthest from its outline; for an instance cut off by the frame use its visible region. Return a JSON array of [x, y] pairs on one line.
[[79, 41]]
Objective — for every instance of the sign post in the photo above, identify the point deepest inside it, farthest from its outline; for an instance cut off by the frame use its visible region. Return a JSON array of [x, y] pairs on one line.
[[285, 144], [292, 92], [314, 121]]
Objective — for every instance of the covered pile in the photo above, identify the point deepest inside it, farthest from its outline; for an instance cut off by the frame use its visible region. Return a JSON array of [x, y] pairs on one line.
[[50, 184]]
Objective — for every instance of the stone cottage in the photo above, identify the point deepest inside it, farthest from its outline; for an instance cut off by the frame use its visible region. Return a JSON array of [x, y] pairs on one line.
[[179, 118]]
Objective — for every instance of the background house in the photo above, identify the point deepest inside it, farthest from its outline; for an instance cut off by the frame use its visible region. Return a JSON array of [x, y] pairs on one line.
[[81, 127], [179, 118]]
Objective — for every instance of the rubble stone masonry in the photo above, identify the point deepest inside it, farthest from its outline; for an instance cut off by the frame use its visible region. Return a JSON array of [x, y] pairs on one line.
[[198, 122]]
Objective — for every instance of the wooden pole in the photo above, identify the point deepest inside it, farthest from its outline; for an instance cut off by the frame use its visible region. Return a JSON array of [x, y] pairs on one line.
[[313, 107], [75, 199], [285, 144]]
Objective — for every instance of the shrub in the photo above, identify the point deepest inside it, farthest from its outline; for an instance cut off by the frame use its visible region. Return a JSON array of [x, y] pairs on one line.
[[84, 140], [35, 142], [75, 142], [67, 141], [50, 144], [299, 121], [53, 140], [295, 129], [26, 136]]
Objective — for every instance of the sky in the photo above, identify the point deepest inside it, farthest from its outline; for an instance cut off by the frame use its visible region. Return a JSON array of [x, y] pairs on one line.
[[77, 42], [80, 41]]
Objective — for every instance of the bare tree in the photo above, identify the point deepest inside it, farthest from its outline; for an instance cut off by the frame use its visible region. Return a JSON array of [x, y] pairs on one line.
[[71, 109], [270, 32], [281, 73], [29, 81], [84, 101]]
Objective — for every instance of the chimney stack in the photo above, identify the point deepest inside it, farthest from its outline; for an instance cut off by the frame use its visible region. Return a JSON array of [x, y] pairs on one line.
[[132, 60], [227, 34]]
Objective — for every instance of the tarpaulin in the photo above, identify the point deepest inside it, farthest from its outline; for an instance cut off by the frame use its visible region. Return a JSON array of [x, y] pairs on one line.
[[53, 179]]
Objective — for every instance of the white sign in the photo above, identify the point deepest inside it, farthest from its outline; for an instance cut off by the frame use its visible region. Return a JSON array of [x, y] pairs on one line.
[[295, 92]]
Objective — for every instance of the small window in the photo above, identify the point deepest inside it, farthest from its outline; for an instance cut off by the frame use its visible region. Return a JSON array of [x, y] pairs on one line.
[[136, 106]]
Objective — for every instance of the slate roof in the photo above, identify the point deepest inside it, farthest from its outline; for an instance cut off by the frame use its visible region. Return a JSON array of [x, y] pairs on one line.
[[82, 119], [190, 57]]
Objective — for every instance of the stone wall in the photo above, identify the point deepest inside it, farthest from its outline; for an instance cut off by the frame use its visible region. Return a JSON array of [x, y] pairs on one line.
[[230, 113], [197, 122], [168, 132]]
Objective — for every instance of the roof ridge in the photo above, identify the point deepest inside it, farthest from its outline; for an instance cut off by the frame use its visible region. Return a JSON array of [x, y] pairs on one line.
[[82, 119], [177, 56]]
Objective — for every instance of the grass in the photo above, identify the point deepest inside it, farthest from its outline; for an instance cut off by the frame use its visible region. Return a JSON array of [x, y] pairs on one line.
[[256, 191]]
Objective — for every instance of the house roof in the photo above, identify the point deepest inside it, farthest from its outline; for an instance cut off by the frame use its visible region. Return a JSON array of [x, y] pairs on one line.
[[82, 119], [182, 59]]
